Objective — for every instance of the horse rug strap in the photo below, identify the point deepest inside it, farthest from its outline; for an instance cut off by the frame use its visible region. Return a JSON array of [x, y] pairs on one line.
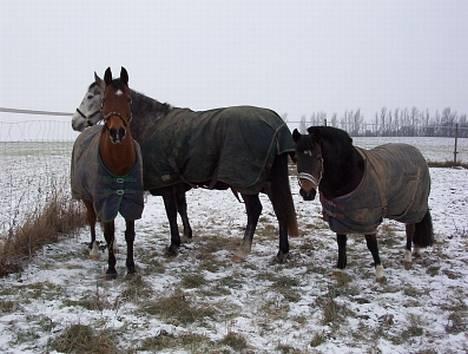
[[92, 181], [395, 185], [235, 146]]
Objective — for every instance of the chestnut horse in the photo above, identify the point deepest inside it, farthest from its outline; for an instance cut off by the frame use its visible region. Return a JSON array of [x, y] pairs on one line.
[[107, 170]]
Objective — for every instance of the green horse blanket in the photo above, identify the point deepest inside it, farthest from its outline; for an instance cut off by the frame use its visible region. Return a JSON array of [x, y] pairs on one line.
[[395, 185], [234, 146], [92, 181]]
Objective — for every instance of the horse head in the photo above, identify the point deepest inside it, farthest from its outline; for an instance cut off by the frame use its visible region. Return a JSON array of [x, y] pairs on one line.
[[309, 162], [89, 111], [116, 106]]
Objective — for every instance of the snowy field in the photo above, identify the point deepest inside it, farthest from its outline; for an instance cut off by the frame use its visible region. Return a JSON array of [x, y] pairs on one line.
[[202, 301]]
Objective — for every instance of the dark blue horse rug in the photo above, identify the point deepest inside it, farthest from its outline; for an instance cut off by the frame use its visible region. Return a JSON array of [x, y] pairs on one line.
[[395, 185], [92, 181], [233, 146]]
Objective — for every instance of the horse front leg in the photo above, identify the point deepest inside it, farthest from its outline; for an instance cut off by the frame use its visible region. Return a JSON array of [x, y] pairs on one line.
[[182, 209], [109, 230], [129, 238], [371, 241], [171, 211], [91, 218], [342, 259], [253, 208]]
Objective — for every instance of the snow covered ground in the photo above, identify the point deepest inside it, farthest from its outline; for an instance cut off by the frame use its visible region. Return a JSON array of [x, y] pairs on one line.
[[202, 301]]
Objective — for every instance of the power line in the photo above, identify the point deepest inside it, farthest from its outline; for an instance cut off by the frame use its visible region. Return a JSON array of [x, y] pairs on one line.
[[30, 111]]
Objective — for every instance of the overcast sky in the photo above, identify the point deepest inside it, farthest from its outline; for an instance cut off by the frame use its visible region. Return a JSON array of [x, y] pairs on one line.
[[292, 56]]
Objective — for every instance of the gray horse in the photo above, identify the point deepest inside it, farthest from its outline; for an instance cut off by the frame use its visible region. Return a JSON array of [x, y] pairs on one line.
[[243, 148]]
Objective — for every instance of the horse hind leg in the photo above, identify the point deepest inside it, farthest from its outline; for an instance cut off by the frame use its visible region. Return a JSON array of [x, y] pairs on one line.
[[283, 205], [410, 230], [91, 218], [253, 207], [181, 201], [371, 241]]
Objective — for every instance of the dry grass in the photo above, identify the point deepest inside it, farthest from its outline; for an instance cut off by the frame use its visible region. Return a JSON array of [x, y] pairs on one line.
[[177, 309], [84, 339], [447, 164], [59, 216]]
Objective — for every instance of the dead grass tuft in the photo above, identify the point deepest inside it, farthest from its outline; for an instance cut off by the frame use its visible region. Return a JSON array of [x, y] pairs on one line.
[[59, 216], [84, 339], [234, 340], [177, 309], [195, 343]]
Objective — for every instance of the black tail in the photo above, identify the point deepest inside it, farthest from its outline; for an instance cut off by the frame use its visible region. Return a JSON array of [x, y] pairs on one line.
[[423, 235], [281, 193]]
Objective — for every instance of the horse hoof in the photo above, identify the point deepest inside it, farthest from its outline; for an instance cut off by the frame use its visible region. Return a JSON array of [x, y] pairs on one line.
[[111, 275], [379, 273], [407, 265], [172, 251], [281, 258], [186, 239], [94, 252]]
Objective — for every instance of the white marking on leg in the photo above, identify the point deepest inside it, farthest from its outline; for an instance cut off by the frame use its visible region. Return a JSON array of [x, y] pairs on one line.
[[408, 258], [379, 272], [94, 253]]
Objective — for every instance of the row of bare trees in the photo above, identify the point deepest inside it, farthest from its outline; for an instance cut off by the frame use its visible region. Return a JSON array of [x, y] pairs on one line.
[[393, 122]]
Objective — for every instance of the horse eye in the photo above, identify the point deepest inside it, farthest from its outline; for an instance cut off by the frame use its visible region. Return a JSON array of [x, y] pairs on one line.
[[90, 96]]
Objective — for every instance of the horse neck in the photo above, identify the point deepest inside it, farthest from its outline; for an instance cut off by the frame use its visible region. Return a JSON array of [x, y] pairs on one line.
[[118, 158], [145, 111], [341, 173]]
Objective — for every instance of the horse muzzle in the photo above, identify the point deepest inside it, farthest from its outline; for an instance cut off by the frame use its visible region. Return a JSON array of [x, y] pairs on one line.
[[310, 195]]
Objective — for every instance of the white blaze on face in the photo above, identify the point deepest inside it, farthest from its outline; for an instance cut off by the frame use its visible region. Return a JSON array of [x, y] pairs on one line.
[[119, 93]]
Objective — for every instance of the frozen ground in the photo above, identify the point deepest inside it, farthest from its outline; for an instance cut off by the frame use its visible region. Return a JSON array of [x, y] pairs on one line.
[[203, 302]]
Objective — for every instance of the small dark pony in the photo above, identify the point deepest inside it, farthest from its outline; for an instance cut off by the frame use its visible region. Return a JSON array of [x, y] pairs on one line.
[[358, 188], [107, 170]]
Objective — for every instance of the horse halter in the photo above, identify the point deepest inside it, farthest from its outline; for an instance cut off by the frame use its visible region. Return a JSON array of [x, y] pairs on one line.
[[314, 180], [88, 118], [117, 114]]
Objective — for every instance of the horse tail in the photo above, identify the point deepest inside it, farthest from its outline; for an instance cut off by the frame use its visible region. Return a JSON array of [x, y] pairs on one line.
[[423, 234], [281, 196]]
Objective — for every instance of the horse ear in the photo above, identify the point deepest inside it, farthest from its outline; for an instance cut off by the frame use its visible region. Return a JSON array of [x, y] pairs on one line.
[[296, 135], [108, 76], [314, 133], [98, 81], [124, 75]]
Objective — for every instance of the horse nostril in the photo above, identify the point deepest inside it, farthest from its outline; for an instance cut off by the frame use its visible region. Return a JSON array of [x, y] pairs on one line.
[[122, 133], [307, 195]]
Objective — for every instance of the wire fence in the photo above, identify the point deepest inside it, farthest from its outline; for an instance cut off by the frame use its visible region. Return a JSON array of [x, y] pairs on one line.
[[35, 157]]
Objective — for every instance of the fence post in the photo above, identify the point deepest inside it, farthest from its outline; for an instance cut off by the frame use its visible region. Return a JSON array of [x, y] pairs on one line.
[[325, 122], [455, 152]]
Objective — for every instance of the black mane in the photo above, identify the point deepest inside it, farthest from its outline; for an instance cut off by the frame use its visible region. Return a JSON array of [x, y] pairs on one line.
[[331, 134], [343, 165]]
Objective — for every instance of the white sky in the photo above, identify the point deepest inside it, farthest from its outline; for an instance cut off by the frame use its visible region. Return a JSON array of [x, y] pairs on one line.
[[293, 56]]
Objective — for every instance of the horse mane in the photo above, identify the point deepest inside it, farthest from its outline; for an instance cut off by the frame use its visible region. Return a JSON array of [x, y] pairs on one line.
[[339, 156], [330, 134], [147, 104]]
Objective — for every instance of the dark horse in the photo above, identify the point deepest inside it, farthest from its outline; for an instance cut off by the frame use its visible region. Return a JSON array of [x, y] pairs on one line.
[[358, 188], [242, 148], [106, 171]]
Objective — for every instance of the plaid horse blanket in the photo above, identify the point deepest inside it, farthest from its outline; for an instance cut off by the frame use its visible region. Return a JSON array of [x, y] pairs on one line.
[[235, 146], [92, 181], [395, 185]]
